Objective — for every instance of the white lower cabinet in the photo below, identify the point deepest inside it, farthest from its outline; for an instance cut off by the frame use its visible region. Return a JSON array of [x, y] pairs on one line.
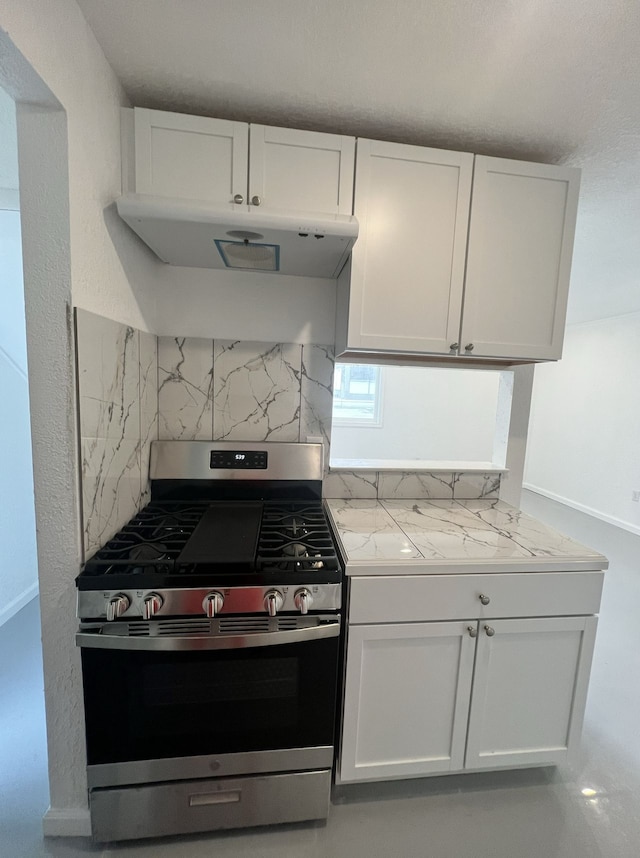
[[406, 700], [529, 690], [436, 697]]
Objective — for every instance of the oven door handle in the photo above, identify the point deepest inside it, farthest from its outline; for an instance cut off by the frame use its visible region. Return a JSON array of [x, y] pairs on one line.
[[188, 643]]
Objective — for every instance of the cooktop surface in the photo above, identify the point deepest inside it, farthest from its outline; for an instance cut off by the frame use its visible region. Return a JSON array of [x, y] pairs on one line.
[[182, 543]]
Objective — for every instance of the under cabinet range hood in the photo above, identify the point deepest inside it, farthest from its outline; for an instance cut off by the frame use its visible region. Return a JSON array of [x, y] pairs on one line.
[[202, 235]]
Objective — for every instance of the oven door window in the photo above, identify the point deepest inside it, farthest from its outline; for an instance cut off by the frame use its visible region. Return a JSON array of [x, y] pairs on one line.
[[145, 705]]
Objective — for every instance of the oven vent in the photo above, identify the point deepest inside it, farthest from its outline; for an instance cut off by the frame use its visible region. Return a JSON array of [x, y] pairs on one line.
[[184, 627], [222, 625], [238, 625], [171, 627]]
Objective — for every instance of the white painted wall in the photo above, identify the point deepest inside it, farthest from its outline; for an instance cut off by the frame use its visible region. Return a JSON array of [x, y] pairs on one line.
[[13, 339], [199, 302], [112, 271], [584, 435], [19, 568], [8, 148], [76, 251]]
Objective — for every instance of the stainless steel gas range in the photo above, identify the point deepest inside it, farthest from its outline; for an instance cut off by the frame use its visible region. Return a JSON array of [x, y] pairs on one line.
[[210, 628]]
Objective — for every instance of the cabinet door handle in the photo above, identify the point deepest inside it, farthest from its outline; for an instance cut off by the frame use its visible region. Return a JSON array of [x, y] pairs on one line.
[[468, 347], [238, 199], [484, 599], [490, 632], [473, 631], [454, 347], [255, 200]]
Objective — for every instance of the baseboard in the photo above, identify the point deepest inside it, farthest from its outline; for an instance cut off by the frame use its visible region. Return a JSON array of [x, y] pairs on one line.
[[610, 519], [66, 822], [18, 603]]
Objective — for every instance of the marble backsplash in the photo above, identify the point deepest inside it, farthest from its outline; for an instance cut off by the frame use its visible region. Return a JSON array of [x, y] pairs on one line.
[[134, 386], [249, 391], [118, 413]]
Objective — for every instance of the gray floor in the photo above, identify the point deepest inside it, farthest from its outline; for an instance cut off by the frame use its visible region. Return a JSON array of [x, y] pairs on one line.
[[530, 814]]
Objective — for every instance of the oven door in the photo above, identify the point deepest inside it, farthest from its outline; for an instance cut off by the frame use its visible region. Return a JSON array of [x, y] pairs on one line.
[[171, 705]]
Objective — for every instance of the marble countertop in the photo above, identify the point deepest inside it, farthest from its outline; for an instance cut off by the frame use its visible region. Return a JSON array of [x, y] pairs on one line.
[[445, 536]]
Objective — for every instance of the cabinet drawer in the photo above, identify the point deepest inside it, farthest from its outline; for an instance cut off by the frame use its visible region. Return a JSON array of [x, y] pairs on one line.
[[416, 598]]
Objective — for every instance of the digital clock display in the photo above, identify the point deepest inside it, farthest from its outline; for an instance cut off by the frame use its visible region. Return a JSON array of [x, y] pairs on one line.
[[229, 460]]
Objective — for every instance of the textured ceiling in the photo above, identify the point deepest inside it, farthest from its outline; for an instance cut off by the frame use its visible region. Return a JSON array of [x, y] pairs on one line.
[[546, 80]]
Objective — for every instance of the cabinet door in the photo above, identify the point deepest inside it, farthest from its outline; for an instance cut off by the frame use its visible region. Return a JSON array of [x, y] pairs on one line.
[[408, 263], [519, 259], [301, 171], [406, 702], [191, 157], [529, 691]]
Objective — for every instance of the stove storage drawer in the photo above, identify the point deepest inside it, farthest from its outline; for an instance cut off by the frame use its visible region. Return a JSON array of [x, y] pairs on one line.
[[185, 807], [420, 598]]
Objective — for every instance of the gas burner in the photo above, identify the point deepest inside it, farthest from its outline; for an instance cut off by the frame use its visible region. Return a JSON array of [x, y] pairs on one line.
[[171, 526], [149, 551], [296, 524], [303, 559]]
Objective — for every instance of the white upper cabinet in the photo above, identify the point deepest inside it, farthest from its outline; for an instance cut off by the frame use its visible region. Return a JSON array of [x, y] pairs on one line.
[[519, 259], [191, 157], [407, 292], [458, 257], [212, 160], [407, 267], [301, 171]]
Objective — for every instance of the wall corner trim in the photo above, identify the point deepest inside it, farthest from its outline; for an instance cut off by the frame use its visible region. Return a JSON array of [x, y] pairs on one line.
[[66, 822]]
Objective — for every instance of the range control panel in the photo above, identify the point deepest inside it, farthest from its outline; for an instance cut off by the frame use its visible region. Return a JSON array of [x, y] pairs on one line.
[[236, 459]]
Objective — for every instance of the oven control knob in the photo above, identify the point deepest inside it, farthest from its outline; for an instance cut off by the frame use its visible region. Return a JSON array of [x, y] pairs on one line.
[[273, 601], [151, 605], [116, 606], [303, 600], [212, 604]]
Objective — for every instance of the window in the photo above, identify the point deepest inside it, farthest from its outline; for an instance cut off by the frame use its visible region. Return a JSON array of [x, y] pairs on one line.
[[357, 395]]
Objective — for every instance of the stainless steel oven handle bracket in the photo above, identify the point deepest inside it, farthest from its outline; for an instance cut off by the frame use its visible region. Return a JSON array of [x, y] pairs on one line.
[[187, 643]]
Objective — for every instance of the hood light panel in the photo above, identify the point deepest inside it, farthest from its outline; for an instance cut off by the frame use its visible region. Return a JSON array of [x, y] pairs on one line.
[[249, 255]]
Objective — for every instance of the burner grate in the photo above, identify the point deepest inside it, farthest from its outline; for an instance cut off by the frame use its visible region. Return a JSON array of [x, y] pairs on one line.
[[150, 542], [295, 537], [157, 547]]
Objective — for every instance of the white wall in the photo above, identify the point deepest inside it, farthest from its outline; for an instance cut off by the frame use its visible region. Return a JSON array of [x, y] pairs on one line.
[[8, 153], [13, 338], [76, 251], [112, 271], [584, 436], [18, 569], [198, 302]]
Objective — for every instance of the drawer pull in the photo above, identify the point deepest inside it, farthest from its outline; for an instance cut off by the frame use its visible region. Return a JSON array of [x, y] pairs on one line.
[[484, 599], [206, 798], [473, 631], [490, 632]]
